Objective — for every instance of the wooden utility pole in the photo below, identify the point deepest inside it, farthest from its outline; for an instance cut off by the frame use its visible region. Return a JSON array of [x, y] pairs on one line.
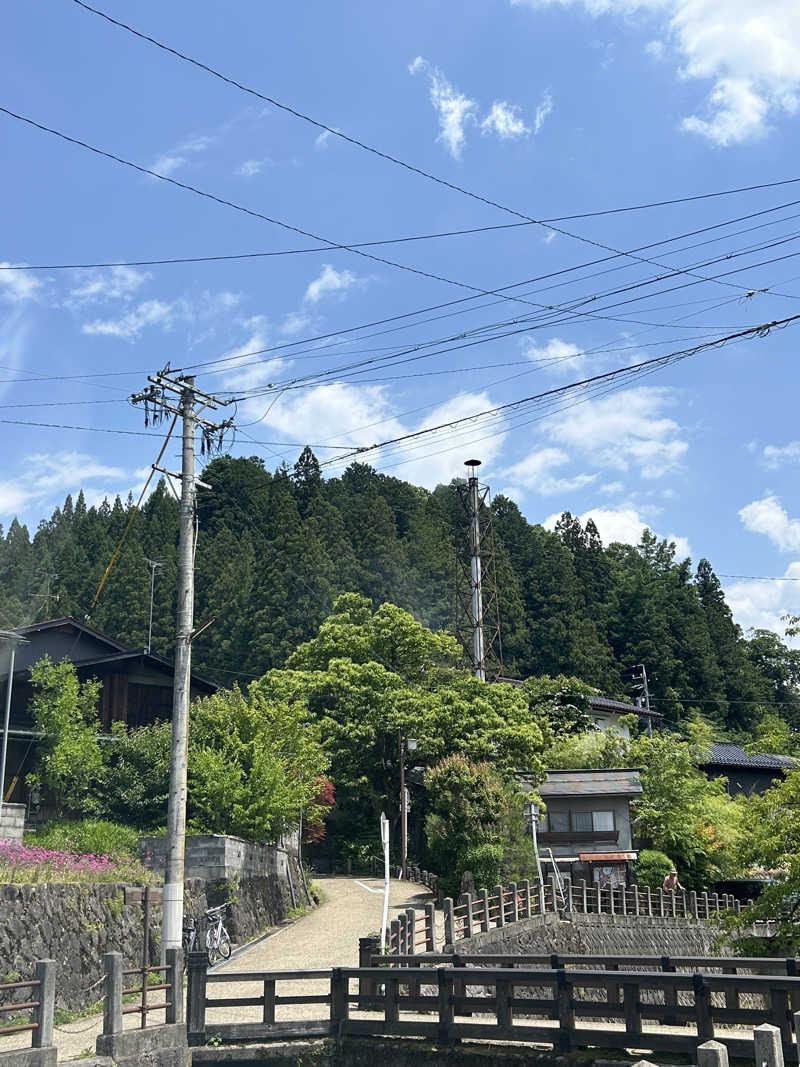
[[179, 396]]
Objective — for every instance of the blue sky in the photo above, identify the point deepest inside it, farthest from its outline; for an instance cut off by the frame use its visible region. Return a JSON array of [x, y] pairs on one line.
[[549, 107]]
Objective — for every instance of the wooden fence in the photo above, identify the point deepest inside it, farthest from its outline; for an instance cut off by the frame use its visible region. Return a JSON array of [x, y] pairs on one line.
[[668, 1012], [168, 990], [414, 931]]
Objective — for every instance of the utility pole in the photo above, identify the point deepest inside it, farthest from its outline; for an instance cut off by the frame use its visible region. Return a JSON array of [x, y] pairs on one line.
[[478, 622], [638, 677], [153, 564], [178, 395]]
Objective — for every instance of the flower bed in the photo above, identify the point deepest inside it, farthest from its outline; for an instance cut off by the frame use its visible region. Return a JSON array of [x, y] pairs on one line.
[[32, 863]]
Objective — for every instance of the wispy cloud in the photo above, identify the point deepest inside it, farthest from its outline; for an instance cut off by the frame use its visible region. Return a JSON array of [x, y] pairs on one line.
[[331, 281], [116, 283], [543, 109], [131, 324], [46, 477], [174, 158], [251, 167], [18, 285], [506, 121], [563, 356], [536, 472], [454, 109]]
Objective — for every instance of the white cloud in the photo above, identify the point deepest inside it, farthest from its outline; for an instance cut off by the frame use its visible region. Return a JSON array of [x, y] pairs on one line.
[[294, 323], [655, 49], [251, 167], [622, 524], [750, 54], [542, 111], [536, 472], [762, 604], [623, 431], [116, 283], [177, 157], [454, 109], [14, 333], [775, 456], [130, 325], [323, 139], [18, 285], [769, 517], [48, 477], [561, 355], [505, 121], [331, 281]]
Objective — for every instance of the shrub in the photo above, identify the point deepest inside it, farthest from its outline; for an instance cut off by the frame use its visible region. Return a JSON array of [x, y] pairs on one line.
[[95, 836], [652, 867], [24, 863], [484, 863]]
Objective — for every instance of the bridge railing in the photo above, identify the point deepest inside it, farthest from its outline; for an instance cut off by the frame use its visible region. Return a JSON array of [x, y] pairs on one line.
[[414, 931], [558, 1006], [38, 1008]]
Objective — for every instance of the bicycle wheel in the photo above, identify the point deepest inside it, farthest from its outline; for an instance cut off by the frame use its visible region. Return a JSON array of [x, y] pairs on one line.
[[224, 946], [212, 944]]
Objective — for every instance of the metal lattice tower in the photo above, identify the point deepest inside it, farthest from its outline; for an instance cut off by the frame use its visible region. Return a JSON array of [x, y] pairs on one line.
[[478, 623]]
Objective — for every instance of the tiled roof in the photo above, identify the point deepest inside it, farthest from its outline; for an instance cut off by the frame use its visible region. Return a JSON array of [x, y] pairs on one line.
[[579, 783], [623, 707], [726, 754]]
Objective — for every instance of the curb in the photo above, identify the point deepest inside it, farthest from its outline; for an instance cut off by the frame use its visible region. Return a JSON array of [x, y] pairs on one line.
[[240, 949]]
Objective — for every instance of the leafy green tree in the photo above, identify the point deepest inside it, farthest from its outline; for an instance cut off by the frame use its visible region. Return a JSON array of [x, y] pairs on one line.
[[254, 764], [136, 778], [652, 867], [69, 762], [467, 803]]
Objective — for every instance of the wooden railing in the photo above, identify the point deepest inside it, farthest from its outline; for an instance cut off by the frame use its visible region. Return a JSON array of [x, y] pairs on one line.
[[40, 1005], [556, 1006], [414, 931], [170, 988]]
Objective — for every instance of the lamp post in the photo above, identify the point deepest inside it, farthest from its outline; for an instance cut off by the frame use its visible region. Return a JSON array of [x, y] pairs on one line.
[[12, 639], [404, 745], [533, 812]]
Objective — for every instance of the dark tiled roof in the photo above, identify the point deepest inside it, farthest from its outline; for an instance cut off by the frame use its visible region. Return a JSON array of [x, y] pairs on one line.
[[726, 754], [606, 782], [623, 707]]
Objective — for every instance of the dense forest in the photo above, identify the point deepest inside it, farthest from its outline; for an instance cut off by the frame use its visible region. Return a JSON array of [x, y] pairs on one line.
[[275, 549]]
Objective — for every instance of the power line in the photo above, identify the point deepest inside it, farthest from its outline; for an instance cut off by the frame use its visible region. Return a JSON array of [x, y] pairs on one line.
[[385, 155], [761, 330], [757, 578]]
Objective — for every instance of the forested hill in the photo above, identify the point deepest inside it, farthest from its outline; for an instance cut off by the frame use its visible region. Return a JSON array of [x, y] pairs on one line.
[[275, 549]]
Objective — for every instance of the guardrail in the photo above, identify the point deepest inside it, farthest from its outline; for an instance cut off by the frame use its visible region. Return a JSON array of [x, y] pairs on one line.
[[41, 1009], [556, 1006], [487, 910]]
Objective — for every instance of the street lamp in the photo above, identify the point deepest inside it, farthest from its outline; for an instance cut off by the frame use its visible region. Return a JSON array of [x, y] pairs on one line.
[[533, 813], [409, 744], [13, 640]]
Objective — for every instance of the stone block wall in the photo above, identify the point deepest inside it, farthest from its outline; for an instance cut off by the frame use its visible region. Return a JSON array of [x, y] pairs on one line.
[[12, 822], [599, 935], [214, 857]]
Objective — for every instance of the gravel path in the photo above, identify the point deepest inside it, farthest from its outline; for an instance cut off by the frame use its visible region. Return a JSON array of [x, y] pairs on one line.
[[326, 937]]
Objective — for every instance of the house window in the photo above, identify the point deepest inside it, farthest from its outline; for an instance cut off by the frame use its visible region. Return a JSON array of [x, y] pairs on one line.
[[603, 820], [582, 820], [559, 822]]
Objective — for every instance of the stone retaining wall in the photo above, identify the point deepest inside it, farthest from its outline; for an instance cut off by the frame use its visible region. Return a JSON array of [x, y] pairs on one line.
[[12, 822], [598, 935], [215, 857]]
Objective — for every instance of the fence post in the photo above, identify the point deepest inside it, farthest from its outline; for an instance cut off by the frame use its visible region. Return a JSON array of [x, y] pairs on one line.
[[486, 920], [599, 899], [340, 1005], [196, 998], [430, 927], [466, 900], [449, 925], [649, 898], [568, 891], [525, 890], [512, 888], [673, 903], [702, 1008], [633, 1018], [715, 902], [394, 937], [584, 896], [446, 1010], [704, 911], [112, 1003], [693, 909], [794, 996], [367, 948], [624, 894], [636, 900], [174, 961], [42, 1036], [670, 992], [565, 1012], [542, 899], [411, 931], [712, 1054], [268, 1006], [501, 905], [779, 1014], [768, 1048], [403, 920], [612, 904]]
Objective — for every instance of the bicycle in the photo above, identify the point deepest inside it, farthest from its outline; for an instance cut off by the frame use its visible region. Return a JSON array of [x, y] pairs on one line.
[[218, 940]]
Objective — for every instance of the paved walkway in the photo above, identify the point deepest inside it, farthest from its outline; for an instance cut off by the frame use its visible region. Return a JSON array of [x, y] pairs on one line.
[[326, 937]]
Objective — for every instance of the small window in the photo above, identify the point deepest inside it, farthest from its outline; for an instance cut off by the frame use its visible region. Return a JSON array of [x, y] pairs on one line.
[[559, 822], [603, 820], [581, 820]]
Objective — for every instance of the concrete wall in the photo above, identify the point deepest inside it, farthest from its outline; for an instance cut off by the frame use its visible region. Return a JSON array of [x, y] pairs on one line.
[[216, 857], [12, 822], [599, 935]]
